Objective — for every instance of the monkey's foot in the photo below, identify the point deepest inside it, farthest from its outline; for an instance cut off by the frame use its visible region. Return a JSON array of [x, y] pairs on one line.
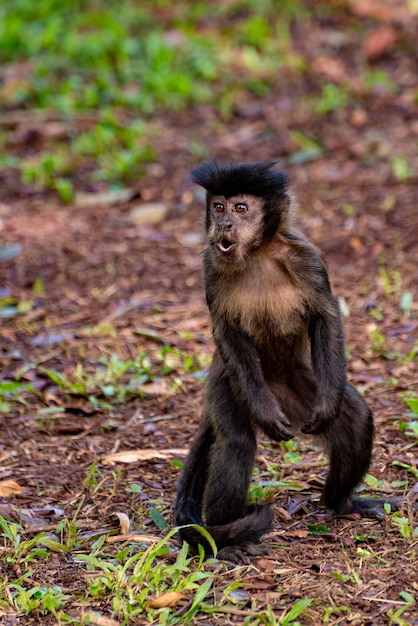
[[242, 553]]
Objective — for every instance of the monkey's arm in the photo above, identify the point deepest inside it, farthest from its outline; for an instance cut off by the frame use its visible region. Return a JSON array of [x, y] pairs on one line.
[[242, 365], [329, 364], [326, 336]]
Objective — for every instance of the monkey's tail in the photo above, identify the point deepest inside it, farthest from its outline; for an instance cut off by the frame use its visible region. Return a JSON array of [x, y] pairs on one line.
[[248, 529]]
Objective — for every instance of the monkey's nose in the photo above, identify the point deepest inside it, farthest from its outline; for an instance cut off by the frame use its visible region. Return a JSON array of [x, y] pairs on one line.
[[227, 225]]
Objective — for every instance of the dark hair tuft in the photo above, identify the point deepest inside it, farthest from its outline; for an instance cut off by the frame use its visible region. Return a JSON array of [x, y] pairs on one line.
[[256, 179]]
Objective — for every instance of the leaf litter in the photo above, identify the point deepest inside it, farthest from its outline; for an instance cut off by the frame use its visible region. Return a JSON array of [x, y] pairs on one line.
[[98, 278]]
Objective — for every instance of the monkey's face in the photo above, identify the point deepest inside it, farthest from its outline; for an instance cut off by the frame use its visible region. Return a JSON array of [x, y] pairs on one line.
[[235, 226]]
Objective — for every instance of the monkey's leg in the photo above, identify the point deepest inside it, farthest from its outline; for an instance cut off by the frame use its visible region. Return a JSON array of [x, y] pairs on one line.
[[349, 443], [231, 463], [226, 491], [188, 507], [225, 500]]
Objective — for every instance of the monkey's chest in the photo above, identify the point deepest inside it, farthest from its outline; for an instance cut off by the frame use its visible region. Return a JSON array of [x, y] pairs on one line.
[[265, 311]]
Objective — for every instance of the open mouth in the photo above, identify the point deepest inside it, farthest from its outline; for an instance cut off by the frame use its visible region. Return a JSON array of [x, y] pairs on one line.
[[224, 245]]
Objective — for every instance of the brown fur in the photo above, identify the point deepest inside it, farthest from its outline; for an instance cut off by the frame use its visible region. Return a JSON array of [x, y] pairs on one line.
[[250, 299], [279, 364]]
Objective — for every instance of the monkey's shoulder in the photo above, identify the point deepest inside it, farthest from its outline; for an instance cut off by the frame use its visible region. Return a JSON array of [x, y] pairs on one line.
[[306, 267], [298, 252]]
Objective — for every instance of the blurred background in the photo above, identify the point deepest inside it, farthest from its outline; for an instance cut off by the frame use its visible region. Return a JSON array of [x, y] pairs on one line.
[[97, 95]]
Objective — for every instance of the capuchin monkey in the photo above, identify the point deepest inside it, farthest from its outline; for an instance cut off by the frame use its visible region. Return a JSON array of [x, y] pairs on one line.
[[279, 366]]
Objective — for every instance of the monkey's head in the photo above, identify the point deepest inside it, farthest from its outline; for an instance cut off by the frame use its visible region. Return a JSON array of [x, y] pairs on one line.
[[247, 203]]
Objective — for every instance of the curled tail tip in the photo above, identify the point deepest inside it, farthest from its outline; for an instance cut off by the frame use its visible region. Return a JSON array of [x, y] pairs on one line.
[[249, 528], [260, 520]]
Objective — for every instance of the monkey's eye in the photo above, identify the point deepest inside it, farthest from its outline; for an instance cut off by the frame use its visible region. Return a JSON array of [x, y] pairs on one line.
[[219, 207], [240, 207]]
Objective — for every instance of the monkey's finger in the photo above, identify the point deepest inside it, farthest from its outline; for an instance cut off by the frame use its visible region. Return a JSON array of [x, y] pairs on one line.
[[277, 433], [234, 554], [307, 428], [315, 427]]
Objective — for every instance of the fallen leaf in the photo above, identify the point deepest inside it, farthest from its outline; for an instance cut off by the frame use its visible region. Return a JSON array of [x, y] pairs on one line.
[[50, 339], [156, 388], [169, 599], [240, 595], [7, 510], [191, 239], [264, 565], [375, 9], [333, 69], [132, 456], [6, 454], [9, 488], [297, 503], [132, 537], [412, 494], [149, 333], [356, 244], [283, 514], [299, 534], [124, 522], [379, 42], [99, 620], [149, 213], [9, 252], [113, 196], [282, 571]]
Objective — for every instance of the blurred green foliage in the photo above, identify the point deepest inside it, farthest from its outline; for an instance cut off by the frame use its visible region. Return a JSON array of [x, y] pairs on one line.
[[105, 67]]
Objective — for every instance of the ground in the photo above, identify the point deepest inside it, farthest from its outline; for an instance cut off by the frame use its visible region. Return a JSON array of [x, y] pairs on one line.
[[95, 285]]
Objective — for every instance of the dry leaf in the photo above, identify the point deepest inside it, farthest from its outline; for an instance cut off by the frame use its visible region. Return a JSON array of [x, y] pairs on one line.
[[334, 69], [300, 534], [132, 456], [283, 514], [156, 388], [9, 488], [112, 196], [132, 537], [169, 599], [375, 9], [149, 213], [282, 571], [100, 620], [264, 565], [356, 244], [6, 454], [124, 522], [379, 43]]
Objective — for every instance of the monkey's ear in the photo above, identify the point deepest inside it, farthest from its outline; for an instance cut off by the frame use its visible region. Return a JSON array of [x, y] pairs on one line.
[[285, 202], [278, 214]]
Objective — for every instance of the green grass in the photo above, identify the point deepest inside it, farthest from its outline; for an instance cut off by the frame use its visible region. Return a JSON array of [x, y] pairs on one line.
[[107, 382], [103, 70], [137, 580]]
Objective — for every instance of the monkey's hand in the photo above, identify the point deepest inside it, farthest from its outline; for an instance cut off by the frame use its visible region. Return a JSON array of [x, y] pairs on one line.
[[273, 422], [322, 417]]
